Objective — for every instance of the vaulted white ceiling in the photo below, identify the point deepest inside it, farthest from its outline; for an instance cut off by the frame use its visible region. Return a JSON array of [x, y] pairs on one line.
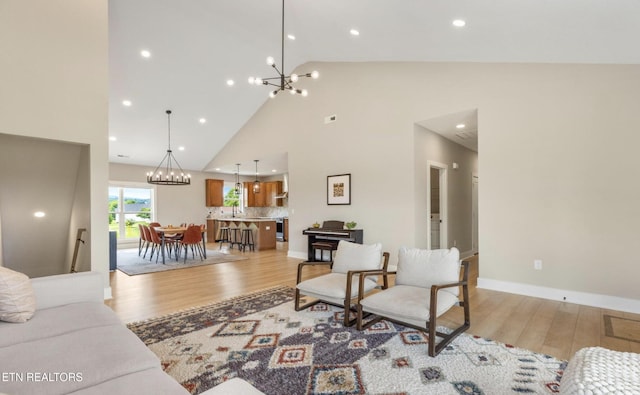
[[197, 45]]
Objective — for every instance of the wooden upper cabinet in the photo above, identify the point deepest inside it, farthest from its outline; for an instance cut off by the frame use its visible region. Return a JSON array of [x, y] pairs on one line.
[[214, 192], [273, 189], [267, 195]]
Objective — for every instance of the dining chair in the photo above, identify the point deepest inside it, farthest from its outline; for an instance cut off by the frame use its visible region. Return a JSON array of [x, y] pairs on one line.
[[147, 236], [142, 241], [157, 246], [192, 238]]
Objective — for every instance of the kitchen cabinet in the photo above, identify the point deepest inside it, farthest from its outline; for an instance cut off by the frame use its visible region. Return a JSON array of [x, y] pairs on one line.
[[214, 192], [272, 189], [286, 229], [212, 230], [267, 195]]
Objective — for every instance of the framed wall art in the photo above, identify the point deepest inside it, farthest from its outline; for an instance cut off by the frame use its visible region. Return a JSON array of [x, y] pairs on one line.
[[339, 189]]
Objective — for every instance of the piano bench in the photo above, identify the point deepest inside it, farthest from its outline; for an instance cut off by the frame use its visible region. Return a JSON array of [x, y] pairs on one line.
[[324, 246]]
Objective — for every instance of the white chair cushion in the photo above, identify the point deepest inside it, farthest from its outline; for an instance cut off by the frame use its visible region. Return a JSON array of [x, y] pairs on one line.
[[353, 256], [334, 286], [407, 303], [17, 300], [424, 268]]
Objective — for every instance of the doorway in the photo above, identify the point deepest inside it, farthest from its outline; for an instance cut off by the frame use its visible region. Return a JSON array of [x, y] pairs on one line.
[[437, 205]]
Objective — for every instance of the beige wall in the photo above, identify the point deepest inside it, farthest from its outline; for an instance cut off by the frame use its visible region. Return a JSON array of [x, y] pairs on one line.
[[546, 133], [54, 72]]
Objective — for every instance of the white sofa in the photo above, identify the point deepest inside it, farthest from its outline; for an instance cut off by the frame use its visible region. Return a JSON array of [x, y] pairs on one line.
[[76, 344]]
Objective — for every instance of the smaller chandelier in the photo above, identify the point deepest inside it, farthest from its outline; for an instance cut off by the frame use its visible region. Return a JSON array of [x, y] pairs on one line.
[[238, 187], [282, 82], [256, 183], [171, 176]]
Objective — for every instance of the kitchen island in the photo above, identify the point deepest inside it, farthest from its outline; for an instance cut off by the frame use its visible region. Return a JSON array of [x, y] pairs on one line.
[[264, 230]]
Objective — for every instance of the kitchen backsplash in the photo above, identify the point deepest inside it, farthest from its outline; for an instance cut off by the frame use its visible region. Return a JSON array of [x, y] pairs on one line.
[[250, 212]]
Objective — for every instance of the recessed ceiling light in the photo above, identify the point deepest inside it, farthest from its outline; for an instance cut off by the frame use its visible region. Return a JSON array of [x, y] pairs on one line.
[[145, 53], [217, 169], [230, 82], [273, 170], [39, 214], [202, 120], [181, 148], [459, 23], [354, 32], [112, 138], [126, 103], [460, 126], [291, 37]]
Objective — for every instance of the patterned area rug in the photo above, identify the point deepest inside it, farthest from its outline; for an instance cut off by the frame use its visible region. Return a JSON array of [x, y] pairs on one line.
[[262, 339], [130, 263]]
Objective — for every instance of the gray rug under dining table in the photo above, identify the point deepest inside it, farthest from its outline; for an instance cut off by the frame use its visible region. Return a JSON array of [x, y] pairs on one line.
[[130, 263]]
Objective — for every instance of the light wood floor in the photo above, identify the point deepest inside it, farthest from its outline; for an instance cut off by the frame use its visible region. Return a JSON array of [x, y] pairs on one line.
[[555, 328]]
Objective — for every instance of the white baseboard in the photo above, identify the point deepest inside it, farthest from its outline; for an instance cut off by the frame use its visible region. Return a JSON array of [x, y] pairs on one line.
[[583, 298], [297, 254], [107, 293]]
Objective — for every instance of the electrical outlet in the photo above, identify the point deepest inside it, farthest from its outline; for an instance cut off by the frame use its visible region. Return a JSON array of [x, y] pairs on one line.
[[330, 118], [537, 264]]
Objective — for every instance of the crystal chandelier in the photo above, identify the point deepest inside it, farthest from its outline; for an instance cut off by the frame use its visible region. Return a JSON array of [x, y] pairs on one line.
[[172, 176], [282, 82]]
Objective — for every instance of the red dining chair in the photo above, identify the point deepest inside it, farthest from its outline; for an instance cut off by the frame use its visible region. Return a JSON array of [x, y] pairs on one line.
[[192, 237], [142, 242], [157, 244], [147, 237]]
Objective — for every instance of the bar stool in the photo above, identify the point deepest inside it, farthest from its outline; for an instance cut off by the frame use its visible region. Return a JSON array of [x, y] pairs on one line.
[[235, 238], [225, 235], [247, 239], [324, 246]]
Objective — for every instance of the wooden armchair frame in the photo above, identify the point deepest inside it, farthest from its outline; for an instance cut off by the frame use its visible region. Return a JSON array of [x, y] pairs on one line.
[[430, 325], [347, 302]]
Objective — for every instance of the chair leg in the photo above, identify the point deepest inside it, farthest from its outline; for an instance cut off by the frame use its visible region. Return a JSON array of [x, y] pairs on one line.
[[304, 306]]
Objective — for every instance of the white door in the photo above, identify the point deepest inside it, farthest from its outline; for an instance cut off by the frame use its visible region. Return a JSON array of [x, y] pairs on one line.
[[437, 205]]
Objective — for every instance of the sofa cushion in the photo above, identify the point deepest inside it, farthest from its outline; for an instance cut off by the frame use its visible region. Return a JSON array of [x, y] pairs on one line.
[[17, 300], [96, 355], [353, 256], [147, 382], [57, 321]]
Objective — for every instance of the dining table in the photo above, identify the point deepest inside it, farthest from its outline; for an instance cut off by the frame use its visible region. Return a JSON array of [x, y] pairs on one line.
[[171, 230]]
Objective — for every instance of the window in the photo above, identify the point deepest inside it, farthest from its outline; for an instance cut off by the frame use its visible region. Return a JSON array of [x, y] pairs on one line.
[[230, 197], [128, 207]]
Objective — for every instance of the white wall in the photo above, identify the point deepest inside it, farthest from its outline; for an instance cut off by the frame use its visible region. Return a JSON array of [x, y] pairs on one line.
[[54, 86], [556, 144], [40, 246]]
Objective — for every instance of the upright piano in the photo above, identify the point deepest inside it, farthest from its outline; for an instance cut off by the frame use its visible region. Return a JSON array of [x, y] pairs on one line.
[[318, 234]]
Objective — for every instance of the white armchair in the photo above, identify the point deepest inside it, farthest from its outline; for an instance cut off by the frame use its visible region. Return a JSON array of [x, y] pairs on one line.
[[427, 285], [340, 287]]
